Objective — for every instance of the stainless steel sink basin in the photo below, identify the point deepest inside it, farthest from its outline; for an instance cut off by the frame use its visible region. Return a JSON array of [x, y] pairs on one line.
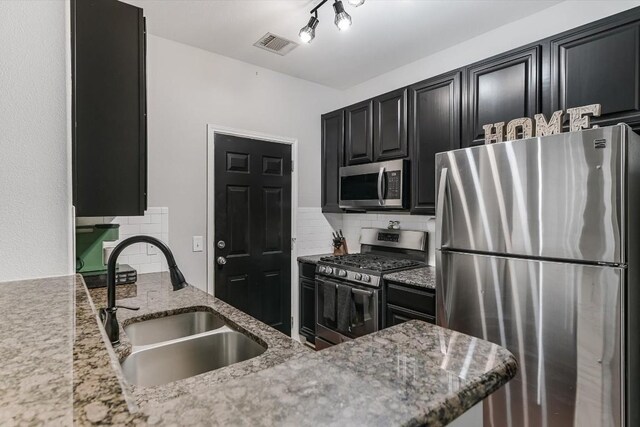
[[171, 327], [189, 357]]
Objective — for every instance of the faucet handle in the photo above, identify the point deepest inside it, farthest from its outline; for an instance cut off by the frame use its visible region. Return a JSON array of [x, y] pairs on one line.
[[128, 308]]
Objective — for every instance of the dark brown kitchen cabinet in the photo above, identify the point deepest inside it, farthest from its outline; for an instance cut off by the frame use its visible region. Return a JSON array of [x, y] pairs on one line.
[[404, 303], [307, 301], [390, 126], [308, 310], [109, 108], [501, 89], [332, 149], [434, 127], [397, 315], [599, 64], [358, 133]]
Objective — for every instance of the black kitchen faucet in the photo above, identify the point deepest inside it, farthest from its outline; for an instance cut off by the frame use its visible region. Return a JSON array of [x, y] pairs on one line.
[[108, 314]]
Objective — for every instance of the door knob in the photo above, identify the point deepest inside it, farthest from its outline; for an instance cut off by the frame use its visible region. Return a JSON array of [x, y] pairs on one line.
[[221, 260]]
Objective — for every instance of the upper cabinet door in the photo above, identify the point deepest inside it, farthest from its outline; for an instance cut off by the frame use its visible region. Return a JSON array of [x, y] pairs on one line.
[[332, 147], [501, 89], [435, 127], [109, 109], [599, 65], [390, 126], [358, 137]]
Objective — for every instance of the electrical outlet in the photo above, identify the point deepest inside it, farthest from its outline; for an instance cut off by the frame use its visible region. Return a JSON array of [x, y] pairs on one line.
[[198, 244]]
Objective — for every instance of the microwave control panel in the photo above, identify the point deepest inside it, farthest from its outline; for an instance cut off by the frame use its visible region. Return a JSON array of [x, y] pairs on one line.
[[394, 181]]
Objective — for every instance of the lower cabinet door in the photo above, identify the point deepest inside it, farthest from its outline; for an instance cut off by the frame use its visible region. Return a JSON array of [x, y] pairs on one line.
[[397, 315], [308, 309]]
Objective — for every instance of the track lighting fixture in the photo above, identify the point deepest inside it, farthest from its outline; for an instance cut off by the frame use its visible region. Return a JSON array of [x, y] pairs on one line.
[[342, 19], [356, 3], [308, 32]]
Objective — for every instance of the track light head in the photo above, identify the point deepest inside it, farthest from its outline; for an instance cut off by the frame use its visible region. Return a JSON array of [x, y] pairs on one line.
[[308, 32], [343, 19]]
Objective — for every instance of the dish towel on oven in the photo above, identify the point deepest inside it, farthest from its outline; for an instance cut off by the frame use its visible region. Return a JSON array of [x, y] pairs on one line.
[[329, 302], [345, 310]]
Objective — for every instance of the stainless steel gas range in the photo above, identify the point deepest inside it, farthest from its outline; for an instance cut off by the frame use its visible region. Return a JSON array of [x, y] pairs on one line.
[[349, 291]]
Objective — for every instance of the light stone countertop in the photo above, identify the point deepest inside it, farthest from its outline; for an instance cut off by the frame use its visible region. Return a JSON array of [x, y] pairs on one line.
[[422, 277], [59, 370], [312, 259]]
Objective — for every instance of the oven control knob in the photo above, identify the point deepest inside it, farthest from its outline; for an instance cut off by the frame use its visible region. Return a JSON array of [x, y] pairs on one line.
[[366, 278], [321, 269], [358, 276], [328, 270], [342, 273]]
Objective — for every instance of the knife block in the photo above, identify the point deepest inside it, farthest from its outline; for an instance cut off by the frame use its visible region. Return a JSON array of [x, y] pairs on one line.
[[341, 249]]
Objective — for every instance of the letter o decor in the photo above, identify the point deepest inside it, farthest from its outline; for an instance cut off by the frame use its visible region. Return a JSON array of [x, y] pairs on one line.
[[579, 118]]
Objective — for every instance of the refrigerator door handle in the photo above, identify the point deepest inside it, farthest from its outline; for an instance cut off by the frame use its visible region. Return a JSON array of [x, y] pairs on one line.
[[442, 189]]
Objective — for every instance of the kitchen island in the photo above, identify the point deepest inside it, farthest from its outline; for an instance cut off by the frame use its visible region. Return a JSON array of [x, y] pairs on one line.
[[411, 374]]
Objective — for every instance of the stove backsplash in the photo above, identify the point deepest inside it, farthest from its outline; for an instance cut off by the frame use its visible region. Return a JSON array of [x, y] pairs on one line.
[[314, 228]]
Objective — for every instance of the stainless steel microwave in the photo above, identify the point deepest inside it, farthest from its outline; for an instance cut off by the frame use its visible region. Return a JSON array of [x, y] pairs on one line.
[[382, 185]]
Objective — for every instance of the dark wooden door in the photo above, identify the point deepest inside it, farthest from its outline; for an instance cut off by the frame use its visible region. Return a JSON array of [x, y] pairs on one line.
[[501, 89], [252, 215], [358, 135], [435, 127], [598, 65], [109, 109], [390, 126], [308, 309], [332, 149]]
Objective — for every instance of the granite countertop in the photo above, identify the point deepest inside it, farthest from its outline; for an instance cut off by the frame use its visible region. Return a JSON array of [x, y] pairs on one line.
[[59, 370], [312, 259], [411, 374], [422, 277], [56, 367], [157, 300]]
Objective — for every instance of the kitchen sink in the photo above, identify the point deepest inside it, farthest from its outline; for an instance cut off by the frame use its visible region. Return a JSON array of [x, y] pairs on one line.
[[172, 327], [189, 357]]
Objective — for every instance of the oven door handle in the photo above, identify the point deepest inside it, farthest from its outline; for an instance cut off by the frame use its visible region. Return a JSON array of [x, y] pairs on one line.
[[361, 292], [380, 185]]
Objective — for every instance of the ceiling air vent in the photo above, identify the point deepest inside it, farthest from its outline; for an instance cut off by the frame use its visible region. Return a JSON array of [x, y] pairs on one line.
[[275, 44]]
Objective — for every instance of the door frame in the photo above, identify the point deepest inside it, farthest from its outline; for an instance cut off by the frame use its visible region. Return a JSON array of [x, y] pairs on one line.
[[212, 130]]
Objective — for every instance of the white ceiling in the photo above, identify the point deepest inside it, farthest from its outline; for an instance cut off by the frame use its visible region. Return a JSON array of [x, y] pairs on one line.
[[385, 34]]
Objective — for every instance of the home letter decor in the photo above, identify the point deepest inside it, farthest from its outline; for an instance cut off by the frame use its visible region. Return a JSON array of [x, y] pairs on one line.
[[552, 127], [512, 128], [489, 137], [578, 118]]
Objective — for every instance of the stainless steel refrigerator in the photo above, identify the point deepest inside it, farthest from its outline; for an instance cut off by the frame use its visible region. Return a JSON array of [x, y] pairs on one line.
[[538, 250]]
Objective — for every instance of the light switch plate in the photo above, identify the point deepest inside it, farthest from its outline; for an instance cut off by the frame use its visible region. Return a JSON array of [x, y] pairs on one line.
[[198, 244]]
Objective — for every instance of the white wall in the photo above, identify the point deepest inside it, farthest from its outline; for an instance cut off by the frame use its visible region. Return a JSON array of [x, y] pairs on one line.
[[556, 19], [35, 192], [189, 88]]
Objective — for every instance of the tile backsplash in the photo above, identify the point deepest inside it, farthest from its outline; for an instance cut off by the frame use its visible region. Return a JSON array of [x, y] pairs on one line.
[[314, 228], [143, 257], [314, 231]]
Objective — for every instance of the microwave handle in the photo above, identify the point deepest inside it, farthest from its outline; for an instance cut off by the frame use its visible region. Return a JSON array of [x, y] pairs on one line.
[[380, 185]]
